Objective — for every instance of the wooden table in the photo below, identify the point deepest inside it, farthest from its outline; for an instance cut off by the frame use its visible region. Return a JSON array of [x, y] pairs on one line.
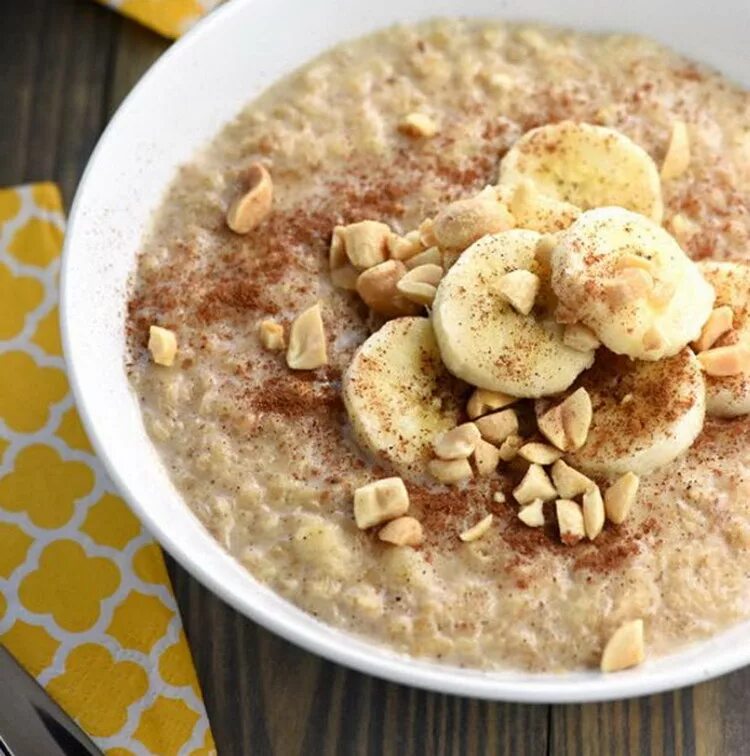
[[64, 67]]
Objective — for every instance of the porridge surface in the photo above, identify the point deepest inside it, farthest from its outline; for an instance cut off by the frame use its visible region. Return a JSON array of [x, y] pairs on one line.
[[264, 456]]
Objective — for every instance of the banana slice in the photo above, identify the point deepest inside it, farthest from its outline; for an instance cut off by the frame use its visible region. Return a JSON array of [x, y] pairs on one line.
[[645, 414], [484, 341], [628, 280], [399, 396], [587, 166], [729, 396]]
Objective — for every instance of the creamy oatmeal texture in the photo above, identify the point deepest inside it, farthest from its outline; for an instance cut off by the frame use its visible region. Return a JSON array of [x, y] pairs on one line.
[[265, 456]]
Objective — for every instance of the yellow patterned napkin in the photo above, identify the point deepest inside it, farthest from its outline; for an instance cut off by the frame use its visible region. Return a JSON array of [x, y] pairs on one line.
[[85, 600], [169, 17]]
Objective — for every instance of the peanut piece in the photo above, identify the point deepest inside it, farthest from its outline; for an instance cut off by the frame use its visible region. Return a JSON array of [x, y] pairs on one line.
[[570, 521], [426, 232], [532, 514], [271, 335], [629, 285], [539, 213], [719, 322], [430, 256], [250, 209], [457, 443], [626, 647], [477, 531], [498, 497], [677, 159], [568, 481], [162, 343], [620, 496], [727, 360], [567, 424], [345, 277], [364, 243], [496, 427], [486, 458], [418, 125], [420, 284], [307, 341], [534, 485], [593, 512], [403, 531], [461, 223], [378, 289], [519, 289], [540, 454], [380, 501], [483, 401], [450, 471], [580, 338], [404, 247], [509, 448]]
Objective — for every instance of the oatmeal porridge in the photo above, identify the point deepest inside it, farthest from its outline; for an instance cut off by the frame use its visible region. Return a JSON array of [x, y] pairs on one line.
[[445, 339]]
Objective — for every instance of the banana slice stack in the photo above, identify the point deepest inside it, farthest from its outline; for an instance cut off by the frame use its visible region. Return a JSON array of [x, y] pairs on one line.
[[558, 282]]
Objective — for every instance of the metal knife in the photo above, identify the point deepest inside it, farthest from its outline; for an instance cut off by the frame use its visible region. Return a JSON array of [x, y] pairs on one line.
[[31, 723]]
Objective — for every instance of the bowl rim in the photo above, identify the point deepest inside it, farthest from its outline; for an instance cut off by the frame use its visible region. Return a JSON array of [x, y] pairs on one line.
[[362, 655]]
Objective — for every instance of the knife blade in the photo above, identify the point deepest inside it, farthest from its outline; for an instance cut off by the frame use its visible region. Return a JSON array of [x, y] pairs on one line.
[[31, 722]]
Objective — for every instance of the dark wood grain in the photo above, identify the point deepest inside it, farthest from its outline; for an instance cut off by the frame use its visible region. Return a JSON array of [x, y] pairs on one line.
[[64, 67]]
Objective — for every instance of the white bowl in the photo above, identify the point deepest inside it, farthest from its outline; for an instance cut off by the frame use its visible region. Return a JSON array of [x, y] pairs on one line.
[[180, 104]]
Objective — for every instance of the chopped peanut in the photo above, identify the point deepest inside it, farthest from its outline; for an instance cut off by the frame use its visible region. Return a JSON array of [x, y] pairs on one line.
[[420, 284], [486, 457], [461, 223], [498, 497], [364, 243], [568, 481], [162, 343], [403, 531], [570, 521], [625, 648], [378, 289], [580, 338], [629, 285], [271, 335], [380, 501], [404, 247], [677, 159], [519, 289], [593, 512], [307, 341], [430, 256], [509, 448], [477, 531], [450, 471], [620, 496], [483, 401], [567, 424], [727, 360], [496, 427], [345, 277], [250, 209], [532, 514], [457, 443], [426, 232], [534, 485], [541, 454], [538, 212], [719, 322], [418, 125]]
